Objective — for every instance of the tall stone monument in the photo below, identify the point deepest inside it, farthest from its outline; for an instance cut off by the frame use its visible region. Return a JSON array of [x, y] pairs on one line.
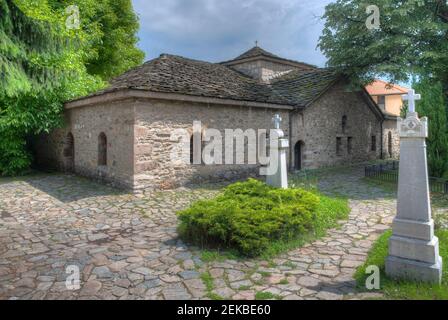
[[413, 248], [278, 178]]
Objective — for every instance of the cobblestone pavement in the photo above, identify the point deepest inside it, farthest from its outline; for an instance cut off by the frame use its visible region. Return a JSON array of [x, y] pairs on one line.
[[126, 246]]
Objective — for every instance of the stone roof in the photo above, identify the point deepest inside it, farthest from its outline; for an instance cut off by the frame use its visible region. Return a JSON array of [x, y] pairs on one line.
[[175, 74], [257, 52], [303, 87]]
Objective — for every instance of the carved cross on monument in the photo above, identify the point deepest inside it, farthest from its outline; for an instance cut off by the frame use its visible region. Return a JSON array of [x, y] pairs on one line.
[[277, 121], [411, 97]]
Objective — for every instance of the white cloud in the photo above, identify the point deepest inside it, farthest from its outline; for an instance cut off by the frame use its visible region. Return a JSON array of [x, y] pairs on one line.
[[217, 30]]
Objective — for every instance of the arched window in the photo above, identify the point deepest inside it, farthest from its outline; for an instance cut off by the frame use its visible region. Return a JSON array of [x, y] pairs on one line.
[[191, 150], [373, 144], [298, 155], [344, 123], [389, 144], [349, 145], [69, 152], [339, 146], [102, 149]]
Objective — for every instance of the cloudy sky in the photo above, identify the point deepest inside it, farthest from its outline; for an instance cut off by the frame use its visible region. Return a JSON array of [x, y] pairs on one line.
[[219, 30]]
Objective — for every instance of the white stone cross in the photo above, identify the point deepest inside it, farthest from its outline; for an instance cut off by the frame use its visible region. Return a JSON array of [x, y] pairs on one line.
[[412, 97], [277, 120]]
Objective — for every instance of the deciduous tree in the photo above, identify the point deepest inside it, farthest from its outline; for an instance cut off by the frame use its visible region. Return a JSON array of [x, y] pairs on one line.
[[412, 38]]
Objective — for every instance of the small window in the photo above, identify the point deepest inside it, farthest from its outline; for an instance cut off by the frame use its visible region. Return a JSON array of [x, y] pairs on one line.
[[102, 149], [382, 102], [373, 144], [69, 152], [349, 145], [344, 124], [339, 146], [193, 150], [389, 143], [69, 146]]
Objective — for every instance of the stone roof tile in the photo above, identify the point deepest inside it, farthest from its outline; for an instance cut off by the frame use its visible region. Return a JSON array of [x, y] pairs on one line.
[[301, 88], [175, 74], [257, 52]]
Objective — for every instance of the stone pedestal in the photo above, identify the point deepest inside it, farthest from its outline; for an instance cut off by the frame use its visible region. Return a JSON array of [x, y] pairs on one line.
[[413, 248], [279, 178]]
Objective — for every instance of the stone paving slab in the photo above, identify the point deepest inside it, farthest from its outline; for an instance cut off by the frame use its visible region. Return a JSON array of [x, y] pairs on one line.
[[126, 246]]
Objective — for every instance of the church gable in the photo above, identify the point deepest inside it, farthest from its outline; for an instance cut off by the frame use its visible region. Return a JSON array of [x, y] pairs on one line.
[[264, 66]]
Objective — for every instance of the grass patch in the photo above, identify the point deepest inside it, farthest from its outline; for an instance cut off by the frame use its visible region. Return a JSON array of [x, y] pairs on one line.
[[405, 290], [265, 274], [267, 296], [244, 288], [439, 200], [290, 264], [219, 255], [207, 279], [329, 212], [387, 186]]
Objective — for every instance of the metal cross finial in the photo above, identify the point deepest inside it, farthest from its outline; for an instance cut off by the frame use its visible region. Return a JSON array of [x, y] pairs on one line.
[[411, 97], [256, 43], [277, 120]]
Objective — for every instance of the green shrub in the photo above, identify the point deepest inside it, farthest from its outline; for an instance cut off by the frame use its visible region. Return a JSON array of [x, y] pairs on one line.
[[248, 216], [404, 289]]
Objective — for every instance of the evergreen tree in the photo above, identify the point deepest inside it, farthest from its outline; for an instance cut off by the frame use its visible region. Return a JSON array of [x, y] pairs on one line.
[[432, 106], [43, 63], [41, 66]]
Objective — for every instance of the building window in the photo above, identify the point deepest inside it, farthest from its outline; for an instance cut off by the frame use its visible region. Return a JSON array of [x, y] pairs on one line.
[[69, 146], [349, 145], [338, 146], [298, 155], [344, 124], [382, 102], [193, 150], [102, 149], [373, 144]]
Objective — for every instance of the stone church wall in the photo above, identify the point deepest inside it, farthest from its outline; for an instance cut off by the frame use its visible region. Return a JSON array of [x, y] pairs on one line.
[[156, 120], [115, 120], [138, 135], [392, 146], [320, 125]]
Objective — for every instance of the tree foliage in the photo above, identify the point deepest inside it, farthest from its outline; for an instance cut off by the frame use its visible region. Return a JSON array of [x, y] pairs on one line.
[[111, 26], [43, 64], [412, 38], [432, 106]]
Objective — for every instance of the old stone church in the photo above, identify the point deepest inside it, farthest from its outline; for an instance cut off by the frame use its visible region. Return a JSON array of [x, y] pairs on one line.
[[122, 133]]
